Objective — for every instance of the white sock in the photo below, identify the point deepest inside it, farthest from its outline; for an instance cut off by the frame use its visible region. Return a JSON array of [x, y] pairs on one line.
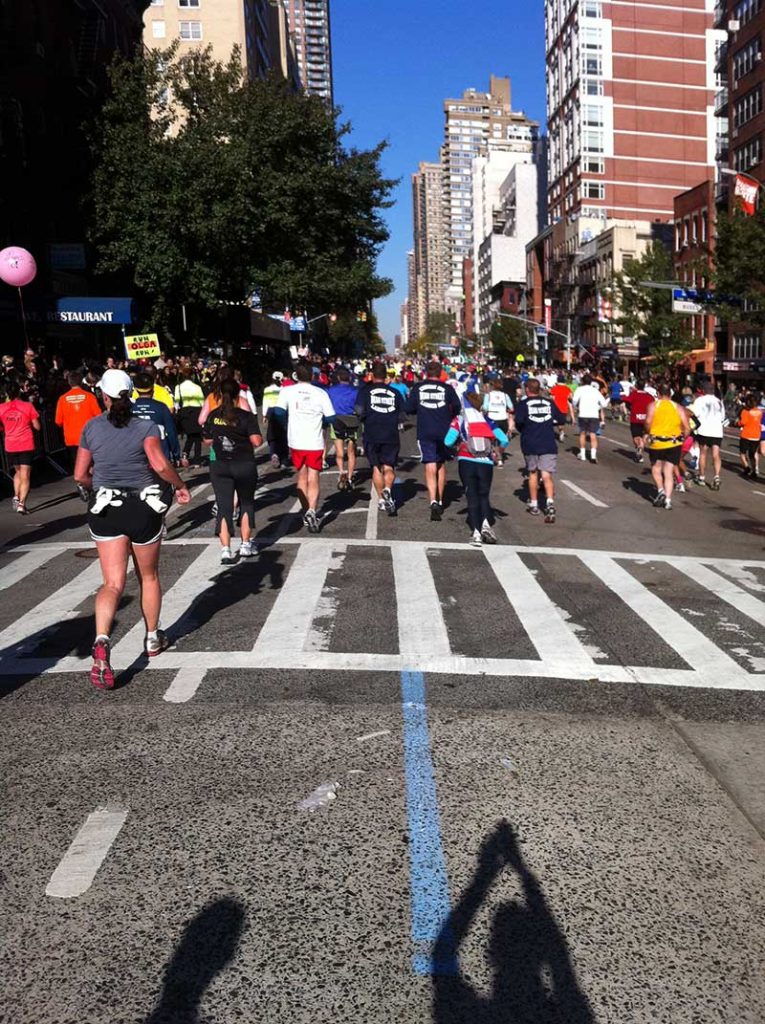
[[533, 503], [152, 634], [102, 636]]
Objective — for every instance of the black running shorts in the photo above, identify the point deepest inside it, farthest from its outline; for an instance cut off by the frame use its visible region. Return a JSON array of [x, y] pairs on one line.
[[132, 519], [666, 454]]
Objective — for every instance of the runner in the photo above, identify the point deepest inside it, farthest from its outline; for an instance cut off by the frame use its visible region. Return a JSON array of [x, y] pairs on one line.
[[436, 405], [498, 407], [345, 429], [560, 393], [120, 458], [750, 424], [158, 392], [19, 421], [189, 399], [276, 435], [536, 419], [588, 403], [234, 435], [147, 408], [476, 434], [306, 409], [73, 410], [666, 426], [710, 413], [380, 408], [639, 402]]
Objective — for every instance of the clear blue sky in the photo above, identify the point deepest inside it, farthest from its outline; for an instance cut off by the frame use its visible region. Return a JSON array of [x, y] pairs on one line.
[[395, 62]]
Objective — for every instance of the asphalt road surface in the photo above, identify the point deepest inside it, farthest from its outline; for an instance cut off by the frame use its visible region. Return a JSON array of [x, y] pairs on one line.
[[549, 758]]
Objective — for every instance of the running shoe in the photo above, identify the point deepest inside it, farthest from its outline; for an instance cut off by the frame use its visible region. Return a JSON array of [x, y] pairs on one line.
[[476, 539], [639, 458], [101, 674], [436, 512], [582, 456], [701, 481], [534, 510], [15, 503], [342, 482], [658, 501], [22, 509], [550, 513], [715, 485], [227, 557], [275, 461], [246, 549], [488, 536], [381, 506], [311, 520], [156, 645], [681, 488], [668, 504], [390, 504]]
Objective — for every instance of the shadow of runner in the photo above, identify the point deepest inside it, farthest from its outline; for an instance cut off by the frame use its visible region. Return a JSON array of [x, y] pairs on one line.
[[534, 980], [207, 946]]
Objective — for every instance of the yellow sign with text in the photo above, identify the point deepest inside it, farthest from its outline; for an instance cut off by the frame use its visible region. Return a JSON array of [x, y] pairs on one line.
[[142, 346]]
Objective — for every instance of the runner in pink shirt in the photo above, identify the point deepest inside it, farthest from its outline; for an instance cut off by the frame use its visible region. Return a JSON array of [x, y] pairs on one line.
[[18, 421]]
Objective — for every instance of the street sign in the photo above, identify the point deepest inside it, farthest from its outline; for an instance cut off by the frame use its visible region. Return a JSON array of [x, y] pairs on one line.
[[142, 346], [541, 332], [298, 324], [686, 300]]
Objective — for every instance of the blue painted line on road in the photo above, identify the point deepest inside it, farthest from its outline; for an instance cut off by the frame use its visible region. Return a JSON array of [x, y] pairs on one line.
[[434, 952]]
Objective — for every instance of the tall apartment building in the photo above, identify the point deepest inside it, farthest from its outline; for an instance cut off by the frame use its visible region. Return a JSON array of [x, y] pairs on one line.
[[631, 118], [471, 122], [310, 29], [413, 298], [258, 27], [427, 204]]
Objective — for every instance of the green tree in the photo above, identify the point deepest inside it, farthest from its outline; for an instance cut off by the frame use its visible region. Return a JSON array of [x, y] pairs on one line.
[[439, 331], [510, 339], [645, 313], [740, 266], [209, 187]]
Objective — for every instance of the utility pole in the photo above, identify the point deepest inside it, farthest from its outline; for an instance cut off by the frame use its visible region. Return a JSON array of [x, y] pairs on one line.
[[568, 344]]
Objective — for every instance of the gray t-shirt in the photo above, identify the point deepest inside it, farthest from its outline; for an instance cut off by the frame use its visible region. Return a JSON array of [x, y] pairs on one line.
[[118, 456]]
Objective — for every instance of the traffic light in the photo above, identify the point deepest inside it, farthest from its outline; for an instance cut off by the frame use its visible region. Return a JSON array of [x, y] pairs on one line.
[[361, 316]]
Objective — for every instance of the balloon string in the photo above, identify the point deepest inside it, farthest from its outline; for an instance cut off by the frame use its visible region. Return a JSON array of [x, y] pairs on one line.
[[23, 318]]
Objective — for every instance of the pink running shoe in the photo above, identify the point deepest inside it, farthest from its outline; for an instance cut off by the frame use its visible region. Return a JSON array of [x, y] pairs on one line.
[[101, 674]]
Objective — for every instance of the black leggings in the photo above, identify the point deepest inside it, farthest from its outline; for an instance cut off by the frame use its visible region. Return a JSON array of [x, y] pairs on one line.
[[193, 441], [476, 478], [227, 478]]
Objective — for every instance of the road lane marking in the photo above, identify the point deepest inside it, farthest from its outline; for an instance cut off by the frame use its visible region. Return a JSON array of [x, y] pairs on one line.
[[177, 603], [185, 685], [24, 566], [434, 952], [289, 624], [372, 511], [726, 590], [694, 647], [542, 620], [80, 864], [61, 606], [583, 494], [421, 626]]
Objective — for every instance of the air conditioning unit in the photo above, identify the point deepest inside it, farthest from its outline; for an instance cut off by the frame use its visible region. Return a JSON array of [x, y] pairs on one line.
[[734, 133], [734, 25]]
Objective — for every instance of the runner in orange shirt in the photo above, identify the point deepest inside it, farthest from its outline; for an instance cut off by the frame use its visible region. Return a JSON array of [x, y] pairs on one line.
[[73, 410], [561, 395], [750, 422]]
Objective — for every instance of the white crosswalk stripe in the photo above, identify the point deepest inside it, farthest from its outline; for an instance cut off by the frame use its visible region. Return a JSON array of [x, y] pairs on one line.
[[295, 633]]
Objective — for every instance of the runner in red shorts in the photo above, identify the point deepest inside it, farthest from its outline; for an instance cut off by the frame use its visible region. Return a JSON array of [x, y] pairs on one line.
[[307, 410]]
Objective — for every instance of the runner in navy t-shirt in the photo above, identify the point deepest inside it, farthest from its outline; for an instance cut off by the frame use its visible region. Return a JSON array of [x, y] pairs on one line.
[[379, 407], [436, 405]]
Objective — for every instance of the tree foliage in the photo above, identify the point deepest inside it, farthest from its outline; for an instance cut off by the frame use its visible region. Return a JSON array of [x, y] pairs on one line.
[[740, 266], [210, 187], [510, 338], [439, 331], [645, 313]]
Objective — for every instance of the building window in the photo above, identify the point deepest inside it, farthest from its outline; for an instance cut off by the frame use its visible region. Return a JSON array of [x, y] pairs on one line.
[[592, 141], [158, 30], [746, 10], [748, 156], [190, 30], [745, 59], [593, 190], [747, 346], [593, 165], [747, 107], [188, 3], [592, 115], [592, 87], [592, 9], [593, 65]]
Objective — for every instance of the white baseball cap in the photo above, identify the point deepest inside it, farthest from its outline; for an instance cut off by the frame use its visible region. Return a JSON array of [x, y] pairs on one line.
[[114, 382]]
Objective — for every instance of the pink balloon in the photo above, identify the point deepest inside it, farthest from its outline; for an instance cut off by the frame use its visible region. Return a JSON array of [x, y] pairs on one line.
[[17, 266]]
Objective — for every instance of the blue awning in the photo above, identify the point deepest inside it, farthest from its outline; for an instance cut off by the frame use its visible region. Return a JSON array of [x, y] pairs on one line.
[[88, 310]]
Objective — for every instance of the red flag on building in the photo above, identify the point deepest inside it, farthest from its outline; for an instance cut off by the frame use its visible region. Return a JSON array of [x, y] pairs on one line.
[[745, 191]]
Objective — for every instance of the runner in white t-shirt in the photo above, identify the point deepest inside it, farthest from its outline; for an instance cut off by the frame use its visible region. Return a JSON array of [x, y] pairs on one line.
[[588, 404], [307, 409], [709, 410]]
